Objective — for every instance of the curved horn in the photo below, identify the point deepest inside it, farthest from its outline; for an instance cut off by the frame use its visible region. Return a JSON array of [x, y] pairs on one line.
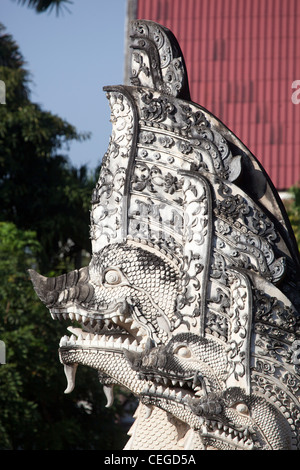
[[74, 286]]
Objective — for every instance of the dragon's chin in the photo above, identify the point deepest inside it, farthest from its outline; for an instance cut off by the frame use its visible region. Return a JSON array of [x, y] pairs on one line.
[[88, 348]]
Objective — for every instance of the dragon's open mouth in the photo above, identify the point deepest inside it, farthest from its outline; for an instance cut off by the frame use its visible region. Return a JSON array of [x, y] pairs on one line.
[[108, 336], [114, 321], [107, 329]]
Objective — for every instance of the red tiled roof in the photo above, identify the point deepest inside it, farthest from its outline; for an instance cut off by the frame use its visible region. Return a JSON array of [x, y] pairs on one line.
[[242, 57]]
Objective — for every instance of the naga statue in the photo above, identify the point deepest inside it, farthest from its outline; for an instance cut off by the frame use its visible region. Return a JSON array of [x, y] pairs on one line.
[[191, 298]]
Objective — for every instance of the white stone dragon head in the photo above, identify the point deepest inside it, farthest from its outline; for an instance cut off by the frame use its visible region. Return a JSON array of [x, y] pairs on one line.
[[191, 299]]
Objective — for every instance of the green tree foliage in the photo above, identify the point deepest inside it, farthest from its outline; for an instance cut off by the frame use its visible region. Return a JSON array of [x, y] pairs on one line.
[[41, 6]]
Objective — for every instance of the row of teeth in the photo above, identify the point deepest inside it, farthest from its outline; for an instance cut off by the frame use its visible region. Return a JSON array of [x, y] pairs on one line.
[[175, 382], [98, 325], [227, 434], [86, 340], [81, 318], [167, 393]]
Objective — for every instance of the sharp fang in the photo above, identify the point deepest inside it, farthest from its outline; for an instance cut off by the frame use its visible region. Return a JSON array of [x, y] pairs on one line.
[[64, 341], [75, 331], [148, 411], [109, 393], [70, 373]]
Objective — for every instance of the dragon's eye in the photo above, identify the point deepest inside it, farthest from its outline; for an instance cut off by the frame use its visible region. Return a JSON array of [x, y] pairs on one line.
[[112, 277], [183, 351], [242, 408]]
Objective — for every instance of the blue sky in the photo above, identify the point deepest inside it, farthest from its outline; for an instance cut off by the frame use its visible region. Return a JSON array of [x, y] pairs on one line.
[[71, 57]]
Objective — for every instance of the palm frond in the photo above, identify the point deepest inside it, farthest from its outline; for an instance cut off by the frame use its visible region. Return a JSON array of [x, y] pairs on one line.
[[42, 6]]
